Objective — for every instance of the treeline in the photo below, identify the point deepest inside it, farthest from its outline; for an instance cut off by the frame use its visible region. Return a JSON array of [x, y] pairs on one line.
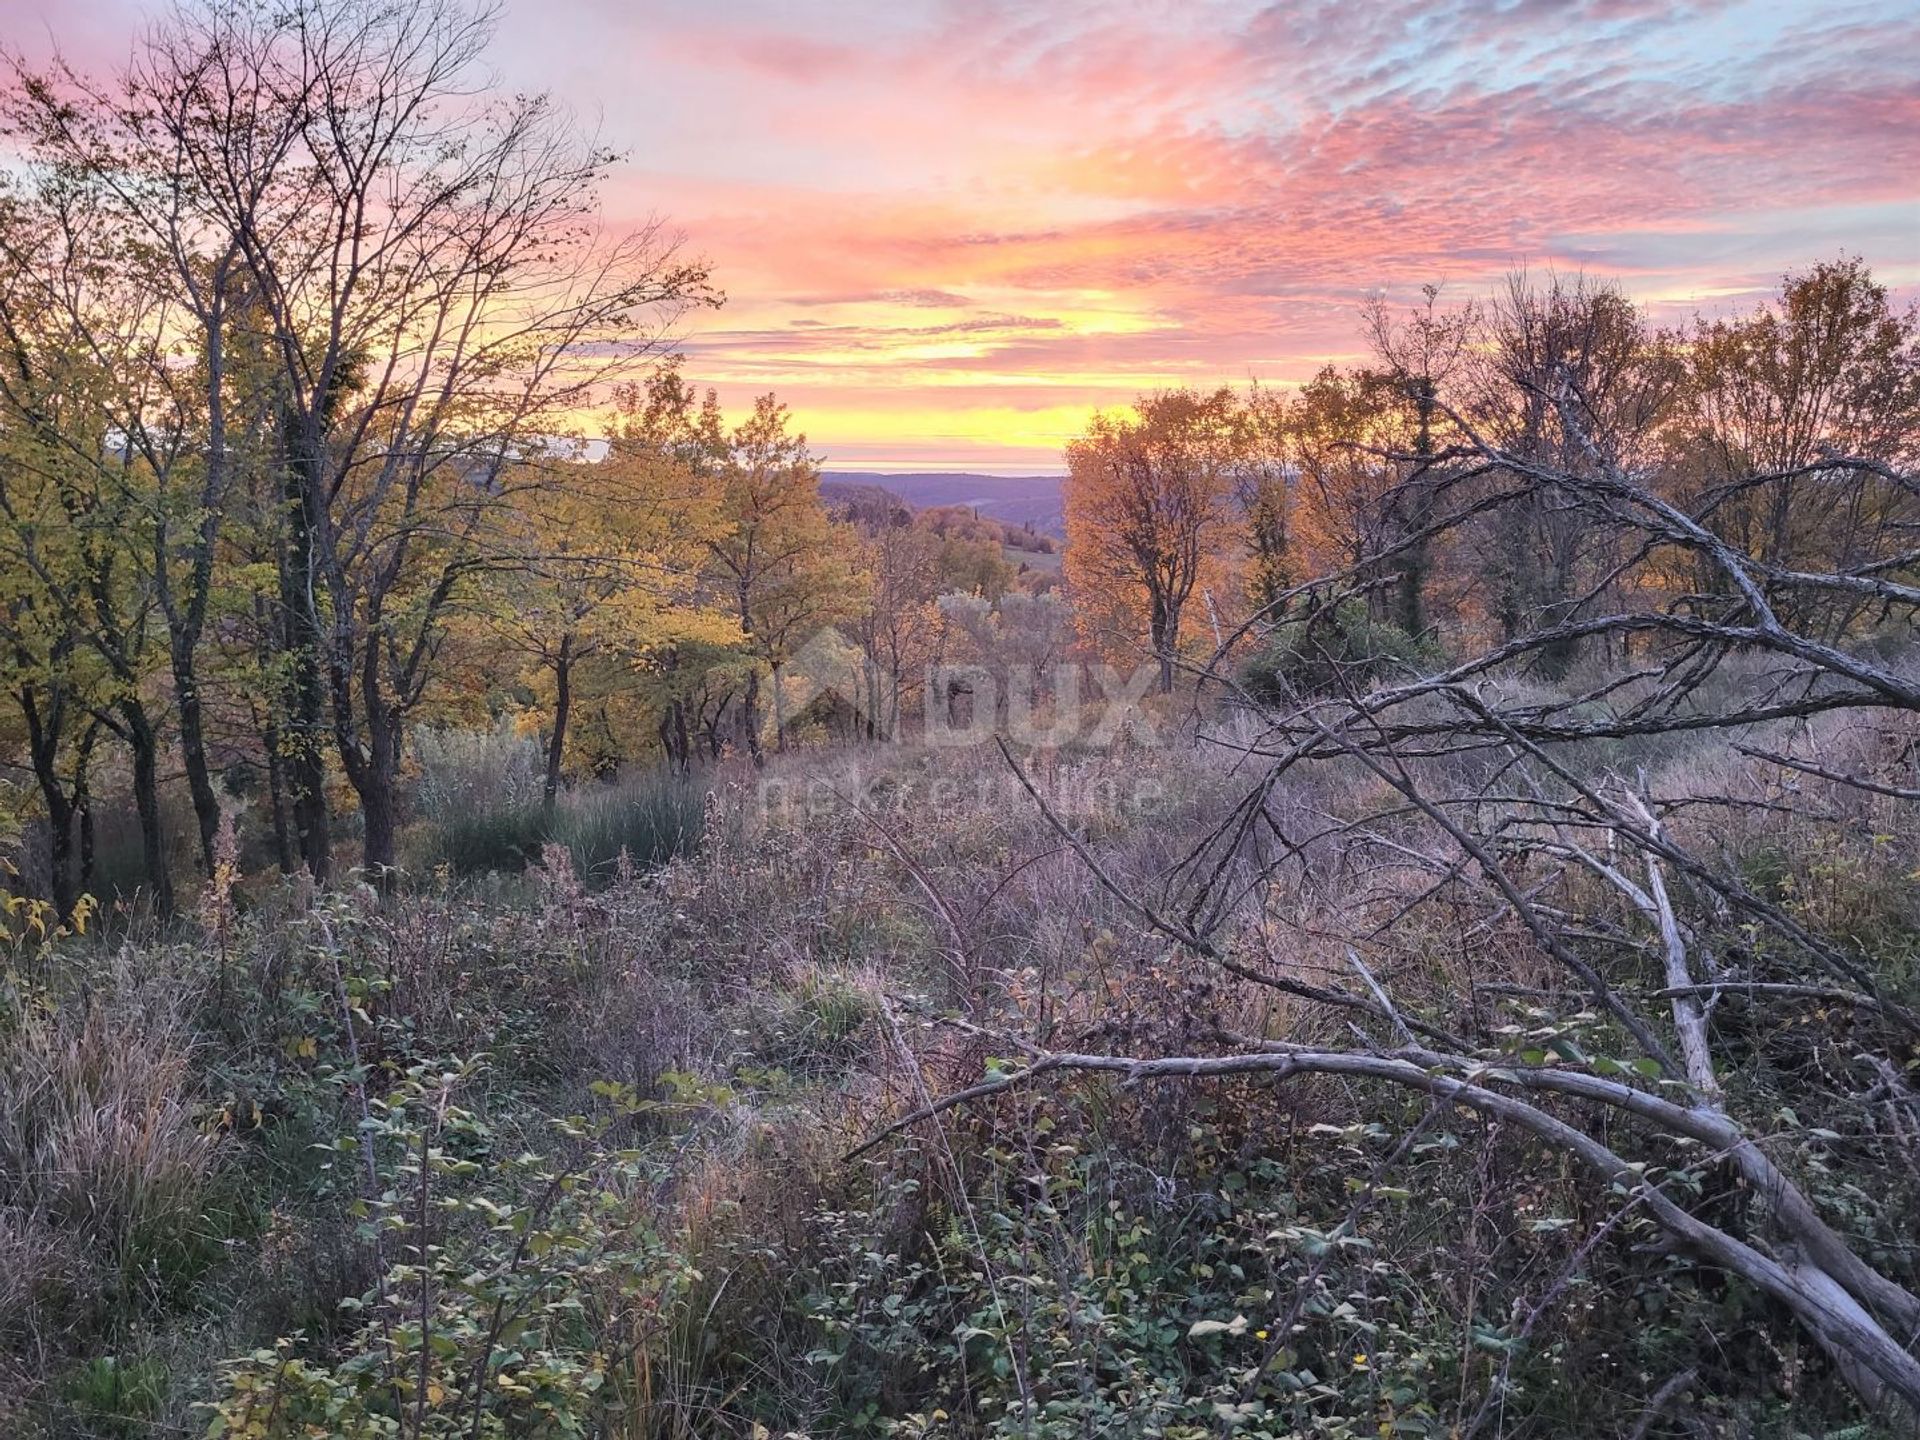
[[1374, 477], [328, 410], [305, 333]]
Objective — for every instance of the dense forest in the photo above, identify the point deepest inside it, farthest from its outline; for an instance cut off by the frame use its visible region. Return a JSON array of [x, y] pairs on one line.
[[529, 914]]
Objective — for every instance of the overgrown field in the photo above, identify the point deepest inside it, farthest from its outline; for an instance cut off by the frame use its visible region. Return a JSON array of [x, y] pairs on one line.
[[524, 1155]]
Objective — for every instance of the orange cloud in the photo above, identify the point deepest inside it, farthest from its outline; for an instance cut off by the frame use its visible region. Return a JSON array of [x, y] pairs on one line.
[[951, 228], [987, 219]]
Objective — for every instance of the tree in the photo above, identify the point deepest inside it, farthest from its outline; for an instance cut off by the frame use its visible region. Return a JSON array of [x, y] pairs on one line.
[[783, 565], [1541, 343], [1420, 351], [73, 524], [53, 679], [434, 301], [603, 583], [1344, 432], [1832, 368], [1148, 501], [1263, 491], [899, 627]]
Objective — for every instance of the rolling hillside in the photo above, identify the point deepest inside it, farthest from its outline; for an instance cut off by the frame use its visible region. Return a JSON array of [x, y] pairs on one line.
[[1017, 499]]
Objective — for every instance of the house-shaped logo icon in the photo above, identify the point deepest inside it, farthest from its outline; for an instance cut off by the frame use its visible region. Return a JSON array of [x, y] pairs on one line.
[[830, 675]]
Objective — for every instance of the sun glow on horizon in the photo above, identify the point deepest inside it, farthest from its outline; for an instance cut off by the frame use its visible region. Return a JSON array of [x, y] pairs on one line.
[[950, 230]]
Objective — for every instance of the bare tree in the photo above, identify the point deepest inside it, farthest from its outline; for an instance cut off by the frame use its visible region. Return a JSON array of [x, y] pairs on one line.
[[1543, 550], [1421, 351]]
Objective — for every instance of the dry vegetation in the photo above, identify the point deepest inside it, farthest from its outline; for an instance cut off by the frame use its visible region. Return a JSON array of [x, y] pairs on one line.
[[695, 1052], [797, 980]]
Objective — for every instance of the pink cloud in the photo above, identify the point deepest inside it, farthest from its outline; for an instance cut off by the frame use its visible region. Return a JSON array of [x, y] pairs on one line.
[[919, 207]]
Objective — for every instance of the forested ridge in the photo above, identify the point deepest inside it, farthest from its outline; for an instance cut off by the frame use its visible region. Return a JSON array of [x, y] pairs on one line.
[[529, 913]]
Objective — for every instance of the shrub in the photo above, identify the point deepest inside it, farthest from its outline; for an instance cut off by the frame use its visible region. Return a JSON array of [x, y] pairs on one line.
[[479, 795], [650, 818], [516, 1289], [1330, 651]]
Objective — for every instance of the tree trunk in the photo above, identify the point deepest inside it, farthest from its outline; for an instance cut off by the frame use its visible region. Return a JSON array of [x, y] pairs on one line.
[[83, 806], [379, 803], [306, 775], [562, 704], [750, 716], [378, 784], [42, 749], [750, 701], [673, 735], [145, 746], [779, 713], [1557, 602], [1164, 628], [277, 799], [1410, 608], [87, 848], [306, 768], [193, 748]]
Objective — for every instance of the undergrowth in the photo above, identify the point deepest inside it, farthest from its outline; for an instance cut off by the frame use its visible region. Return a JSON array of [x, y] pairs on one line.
[[569, 1155]]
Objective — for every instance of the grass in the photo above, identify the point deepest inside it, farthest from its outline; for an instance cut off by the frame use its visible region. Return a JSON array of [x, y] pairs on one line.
[[644, 822], [763, 1000], [481, 806]]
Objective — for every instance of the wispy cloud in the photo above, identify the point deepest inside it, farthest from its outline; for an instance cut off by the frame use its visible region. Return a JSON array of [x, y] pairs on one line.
[[949, 228]]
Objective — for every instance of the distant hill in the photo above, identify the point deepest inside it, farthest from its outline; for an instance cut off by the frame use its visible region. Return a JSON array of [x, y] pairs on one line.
[[1033, 549], [1020, 500]]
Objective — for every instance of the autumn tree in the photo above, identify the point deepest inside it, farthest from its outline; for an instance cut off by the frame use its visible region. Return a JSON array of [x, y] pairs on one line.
[[898, 627], [436, 301], [605, 584], [76, 520], [1831, 368], [1149, 503], [783, 565], [54, 679], [1343, 433]]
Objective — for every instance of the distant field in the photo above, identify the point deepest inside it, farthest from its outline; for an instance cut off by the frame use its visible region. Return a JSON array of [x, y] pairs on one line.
[[1031, 560]]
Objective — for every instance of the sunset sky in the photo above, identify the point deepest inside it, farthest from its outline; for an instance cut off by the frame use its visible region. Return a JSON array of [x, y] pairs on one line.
[[949, 228]]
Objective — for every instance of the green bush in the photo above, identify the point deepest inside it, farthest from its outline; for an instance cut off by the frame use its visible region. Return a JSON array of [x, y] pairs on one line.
[[651, 819], [512, 1286], [480, 798], [1331, 651]]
